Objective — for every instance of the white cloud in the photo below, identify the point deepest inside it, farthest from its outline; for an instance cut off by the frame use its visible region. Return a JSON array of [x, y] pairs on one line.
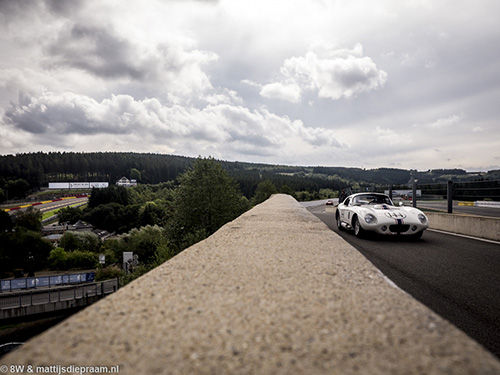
[[343, 73], [224, 96], [444, 122], [289, 92], [389, 137]]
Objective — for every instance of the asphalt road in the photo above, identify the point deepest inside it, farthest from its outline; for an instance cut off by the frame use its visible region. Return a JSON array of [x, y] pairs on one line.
[[456, 277], [48, 206]]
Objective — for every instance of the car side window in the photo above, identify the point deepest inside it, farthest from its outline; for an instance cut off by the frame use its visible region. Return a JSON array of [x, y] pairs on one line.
[[346, 202]]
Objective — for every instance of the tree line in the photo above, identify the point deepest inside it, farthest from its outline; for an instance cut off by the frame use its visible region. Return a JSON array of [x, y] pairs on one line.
[[25, 173], [153, 221]]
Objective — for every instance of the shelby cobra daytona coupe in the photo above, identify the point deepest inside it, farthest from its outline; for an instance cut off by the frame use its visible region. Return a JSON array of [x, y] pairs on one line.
[[375, 212]]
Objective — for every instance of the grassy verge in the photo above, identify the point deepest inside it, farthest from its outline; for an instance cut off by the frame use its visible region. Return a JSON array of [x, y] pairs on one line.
[[48, 214]]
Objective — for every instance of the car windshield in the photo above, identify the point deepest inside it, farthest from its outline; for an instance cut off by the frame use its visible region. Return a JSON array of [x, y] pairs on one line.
[[371, 199]]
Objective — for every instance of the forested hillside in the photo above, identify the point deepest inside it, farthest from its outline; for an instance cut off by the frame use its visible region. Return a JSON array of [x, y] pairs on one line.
[[24, 173], [154, 222]]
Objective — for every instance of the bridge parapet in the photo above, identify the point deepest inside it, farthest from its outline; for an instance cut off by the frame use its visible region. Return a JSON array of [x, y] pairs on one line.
[[273, 292]]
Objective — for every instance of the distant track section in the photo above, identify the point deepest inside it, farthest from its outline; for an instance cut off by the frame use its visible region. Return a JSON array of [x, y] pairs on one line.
[[43, 202]]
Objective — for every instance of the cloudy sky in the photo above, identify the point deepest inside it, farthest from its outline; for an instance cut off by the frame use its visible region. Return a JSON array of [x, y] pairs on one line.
[[359, 83]]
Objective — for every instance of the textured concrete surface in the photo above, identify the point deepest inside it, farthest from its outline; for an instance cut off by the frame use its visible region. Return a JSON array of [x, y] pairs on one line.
[[273, 292], [471, 225]]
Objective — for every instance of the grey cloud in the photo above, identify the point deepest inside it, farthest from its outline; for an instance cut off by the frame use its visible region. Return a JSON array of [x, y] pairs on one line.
[[24, 10], [171, 66], [12, 11], [10, 8], [230, 128], [63, 7], [53, 115], [96, 50]]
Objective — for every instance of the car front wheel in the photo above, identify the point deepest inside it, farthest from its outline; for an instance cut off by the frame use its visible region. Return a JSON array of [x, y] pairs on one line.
[[358, 230]]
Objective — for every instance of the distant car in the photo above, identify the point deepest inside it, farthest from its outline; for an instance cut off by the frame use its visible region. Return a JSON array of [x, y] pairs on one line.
[[375, 212], [329, 202]]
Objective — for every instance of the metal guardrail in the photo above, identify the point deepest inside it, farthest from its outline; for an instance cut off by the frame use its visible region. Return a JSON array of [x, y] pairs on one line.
[[484, 193], [53, 295], [10, 285]]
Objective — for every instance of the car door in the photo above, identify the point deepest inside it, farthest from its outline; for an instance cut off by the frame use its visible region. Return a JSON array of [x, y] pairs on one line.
[[344, 211]]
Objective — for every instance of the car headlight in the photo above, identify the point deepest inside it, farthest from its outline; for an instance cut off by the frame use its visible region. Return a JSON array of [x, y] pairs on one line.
[[369, 218], [422, 218]]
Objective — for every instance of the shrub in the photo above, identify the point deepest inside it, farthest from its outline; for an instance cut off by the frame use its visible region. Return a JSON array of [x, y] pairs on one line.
[[83, 241], [82, 260], [110, 272], [58, 259]]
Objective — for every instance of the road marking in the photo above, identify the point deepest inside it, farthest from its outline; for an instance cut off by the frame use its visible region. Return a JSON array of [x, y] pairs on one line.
[[465, 236]]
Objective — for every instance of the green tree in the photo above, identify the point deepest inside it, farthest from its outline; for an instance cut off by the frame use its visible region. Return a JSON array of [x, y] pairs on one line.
[[113, 217], [8, 253], [135, 174], [206, 197], [146, 242], [69, 241], [29, 251], [150, 214], [111, 194], [30, 219], [17, 188], [80, 241], [58, 259], [264, 190], [81, 260], [5, 222], [70, 215], [285, 189], [113, 249]]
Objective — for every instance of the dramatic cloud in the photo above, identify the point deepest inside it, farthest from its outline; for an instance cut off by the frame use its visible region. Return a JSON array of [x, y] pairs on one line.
[[100, 52], [343, 75], [403, 84], [229, 129]]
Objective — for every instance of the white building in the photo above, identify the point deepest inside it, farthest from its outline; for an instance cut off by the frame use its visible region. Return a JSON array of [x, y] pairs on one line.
[[124, 181]]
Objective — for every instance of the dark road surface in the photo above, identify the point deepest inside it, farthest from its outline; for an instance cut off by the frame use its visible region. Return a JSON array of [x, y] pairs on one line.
[[457, 277]]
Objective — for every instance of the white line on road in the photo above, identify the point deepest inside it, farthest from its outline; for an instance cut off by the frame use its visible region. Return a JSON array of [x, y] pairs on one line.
[[465, 236]]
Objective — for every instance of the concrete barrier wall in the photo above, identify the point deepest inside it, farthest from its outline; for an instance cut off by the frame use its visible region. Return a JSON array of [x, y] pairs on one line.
[[273, 292], [476, 226]]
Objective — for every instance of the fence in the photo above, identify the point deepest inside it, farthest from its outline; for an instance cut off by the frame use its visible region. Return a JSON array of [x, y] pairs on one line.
[[478, 193], [54, 295], [45, 281]]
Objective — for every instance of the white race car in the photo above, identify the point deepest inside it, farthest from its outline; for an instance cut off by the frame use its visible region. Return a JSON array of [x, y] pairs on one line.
[[375, 212]]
